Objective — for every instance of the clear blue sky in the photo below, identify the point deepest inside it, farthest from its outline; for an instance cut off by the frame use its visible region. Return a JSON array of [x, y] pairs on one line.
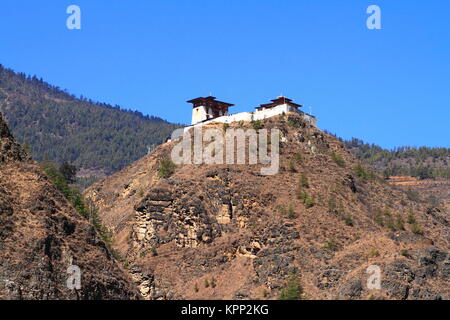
[[389, 86]]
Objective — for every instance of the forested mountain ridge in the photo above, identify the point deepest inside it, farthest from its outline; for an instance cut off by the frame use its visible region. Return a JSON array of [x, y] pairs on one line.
[[423, 162], [58, 126]]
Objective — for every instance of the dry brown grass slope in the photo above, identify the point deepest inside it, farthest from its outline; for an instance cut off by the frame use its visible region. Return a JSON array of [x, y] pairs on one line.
[[227, 232], [41, 235]]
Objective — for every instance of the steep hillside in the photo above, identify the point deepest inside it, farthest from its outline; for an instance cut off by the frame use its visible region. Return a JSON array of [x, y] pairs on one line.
[[41, 235], [422, 171], [60, 127], [312, 230], [424, 162], [434, 191]]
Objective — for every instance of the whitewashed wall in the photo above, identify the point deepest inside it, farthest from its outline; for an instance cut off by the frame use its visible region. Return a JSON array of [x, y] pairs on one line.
[[252, 116], [199, 114], [267, 113]]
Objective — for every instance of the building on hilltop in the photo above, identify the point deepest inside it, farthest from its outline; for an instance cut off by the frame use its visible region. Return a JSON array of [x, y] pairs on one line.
[[208, 109], [278, 102]]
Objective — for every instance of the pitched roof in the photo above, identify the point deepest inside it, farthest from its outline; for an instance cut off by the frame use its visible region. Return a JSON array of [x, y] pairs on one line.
[[209, 100], [278, 101]]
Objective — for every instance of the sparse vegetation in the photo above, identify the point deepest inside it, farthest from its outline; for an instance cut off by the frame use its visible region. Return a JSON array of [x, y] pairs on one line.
[[206, 283], [225, 127], [373, 253], [196, 288], [292, 166], [338, 159], [86, 209], [348, 220], [389, 221], [257, 125], [416, 229], [298, 158], [293, 289], [293, 122], [332, 245], [289, 211], [399, 224], [332, 204], [166, 168], [405, 253], [379, 217], [411, 219], [302, 194], [307, 200], [364, 174], [385, 219], [304, 183]]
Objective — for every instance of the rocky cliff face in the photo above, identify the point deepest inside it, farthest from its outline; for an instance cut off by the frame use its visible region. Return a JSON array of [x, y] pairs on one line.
[[227, 232], [10, 150], [41, 236]]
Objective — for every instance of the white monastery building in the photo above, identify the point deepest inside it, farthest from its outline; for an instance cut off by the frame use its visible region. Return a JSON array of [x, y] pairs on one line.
[[208, 109]]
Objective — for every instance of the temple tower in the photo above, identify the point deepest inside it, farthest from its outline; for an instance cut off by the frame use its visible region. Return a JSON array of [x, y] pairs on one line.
[[208, 108]]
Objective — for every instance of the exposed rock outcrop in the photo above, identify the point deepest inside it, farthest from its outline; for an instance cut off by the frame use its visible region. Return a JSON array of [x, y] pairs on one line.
[[10, 150], [41, 236], [227, 232]]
